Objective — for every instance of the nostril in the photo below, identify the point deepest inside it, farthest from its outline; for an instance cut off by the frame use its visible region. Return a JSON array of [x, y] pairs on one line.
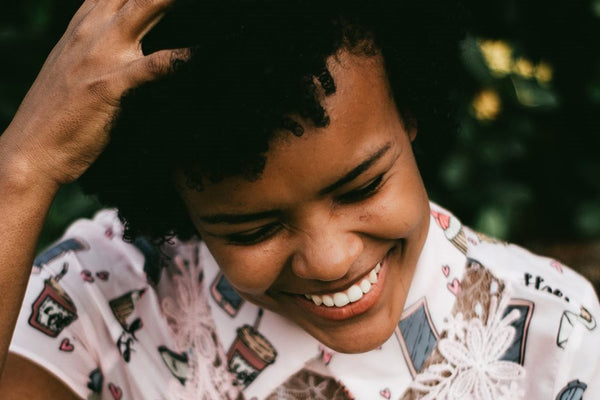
[[327, 259]]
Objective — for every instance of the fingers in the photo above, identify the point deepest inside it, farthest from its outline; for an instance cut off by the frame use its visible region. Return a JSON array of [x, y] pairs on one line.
[[137, 17], [156, 65]]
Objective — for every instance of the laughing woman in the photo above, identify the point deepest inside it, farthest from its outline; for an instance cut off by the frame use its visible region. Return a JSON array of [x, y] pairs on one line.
[[273, 237]]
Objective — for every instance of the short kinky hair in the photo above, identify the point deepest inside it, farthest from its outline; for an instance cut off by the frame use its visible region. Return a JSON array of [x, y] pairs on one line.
[[254, 63]]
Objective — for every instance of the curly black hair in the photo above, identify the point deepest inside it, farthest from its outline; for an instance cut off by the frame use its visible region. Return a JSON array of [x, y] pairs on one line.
[[254, 64]]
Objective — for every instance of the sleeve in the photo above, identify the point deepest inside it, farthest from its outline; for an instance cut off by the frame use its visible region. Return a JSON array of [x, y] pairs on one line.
[[49, 331], [579, 336], [63, 325]]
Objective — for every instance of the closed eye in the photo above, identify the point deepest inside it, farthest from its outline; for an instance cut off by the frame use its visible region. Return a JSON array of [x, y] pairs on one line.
[[254, 236], [361, 193]]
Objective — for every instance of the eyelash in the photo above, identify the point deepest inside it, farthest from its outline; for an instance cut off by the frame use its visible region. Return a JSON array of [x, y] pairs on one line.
[[254, 236], [362, 193], [258, 235]]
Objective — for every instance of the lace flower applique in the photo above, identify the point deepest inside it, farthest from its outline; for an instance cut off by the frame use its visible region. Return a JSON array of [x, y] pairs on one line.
[[473, 368], [189, 317]]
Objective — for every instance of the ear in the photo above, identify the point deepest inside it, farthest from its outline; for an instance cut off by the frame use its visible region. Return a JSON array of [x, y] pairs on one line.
[[410, 124], [411, 130]]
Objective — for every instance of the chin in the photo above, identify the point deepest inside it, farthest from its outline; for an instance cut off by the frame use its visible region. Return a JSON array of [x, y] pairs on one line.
[[359, 337]]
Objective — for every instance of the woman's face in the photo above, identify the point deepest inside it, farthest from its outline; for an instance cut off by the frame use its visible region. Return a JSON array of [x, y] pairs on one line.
[[334, 211]]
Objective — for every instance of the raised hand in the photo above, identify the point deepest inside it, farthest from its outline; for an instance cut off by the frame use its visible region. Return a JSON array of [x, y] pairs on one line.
[[62, 124], [60, 128]]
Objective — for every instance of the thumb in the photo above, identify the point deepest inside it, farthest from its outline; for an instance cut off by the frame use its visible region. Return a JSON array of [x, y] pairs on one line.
[[157, 64]]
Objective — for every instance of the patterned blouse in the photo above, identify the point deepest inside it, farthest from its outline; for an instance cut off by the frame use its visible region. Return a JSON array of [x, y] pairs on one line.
[[483, 320]]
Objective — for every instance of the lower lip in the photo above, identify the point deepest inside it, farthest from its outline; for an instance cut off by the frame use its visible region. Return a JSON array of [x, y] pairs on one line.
[[352, 309]]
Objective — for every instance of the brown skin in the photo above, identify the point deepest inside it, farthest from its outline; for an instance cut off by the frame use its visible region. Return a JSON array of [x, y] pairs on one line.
[[319, 243], [25, 380], [60, 128]]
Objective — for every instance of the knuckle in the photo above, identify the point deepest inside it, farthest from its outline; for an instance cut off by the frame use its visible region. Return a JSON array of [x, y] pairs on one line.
[[81, 31], [101, 90], [158, 65]]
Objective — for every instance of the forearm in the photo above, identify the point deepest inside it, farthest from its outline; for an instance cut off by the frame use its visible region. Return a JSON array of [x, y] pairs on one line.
[[25, 198]]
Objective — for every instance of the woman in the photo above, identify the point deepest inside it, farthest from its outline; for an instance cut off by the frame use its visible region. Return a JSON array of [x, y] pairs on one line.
[[283, 140]]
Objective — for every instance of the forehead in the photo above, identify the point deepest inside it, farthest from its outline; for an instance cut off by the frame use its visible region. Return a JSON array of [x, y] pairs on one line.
[[363, 118]]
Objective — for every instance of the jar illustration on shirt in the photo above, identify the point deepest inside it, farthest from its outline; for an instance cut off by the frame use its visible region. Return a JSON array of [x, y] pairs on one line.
[[53, 310], [250, 353], [123, 307]]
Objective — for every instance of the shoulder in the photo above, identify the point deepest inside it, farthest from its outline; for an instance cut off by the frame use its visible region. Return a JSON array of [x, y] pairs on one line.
[[74, 278], [534, 275], [557, 329], [95, 249], [556, 335], [94, 299], [86, 269], [516, 265]]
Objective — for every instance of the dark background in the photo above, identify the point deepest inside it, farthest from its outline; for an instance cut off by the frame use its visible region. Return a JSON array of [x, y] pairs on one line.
[[524, 167]]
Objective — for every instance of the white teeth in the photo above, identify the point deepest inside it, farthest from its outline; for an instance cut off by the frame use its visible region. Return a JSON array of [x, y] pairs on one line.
[[340, 299], [350, 295], [317, 300], [327, 300], [373, 276], [365, 286], [354, 293]]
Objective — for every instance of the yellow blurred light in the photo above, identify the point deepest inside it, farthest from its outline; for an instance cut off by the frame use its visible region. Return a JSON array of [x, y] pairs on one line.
[[544, 72], [497, 55], [486, 105], [523, 67]]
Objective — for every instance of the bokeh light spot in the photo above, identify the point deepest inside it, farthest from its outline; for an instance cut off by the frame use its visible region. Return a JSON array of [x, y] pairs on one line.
[[486, 105], [497, 55]]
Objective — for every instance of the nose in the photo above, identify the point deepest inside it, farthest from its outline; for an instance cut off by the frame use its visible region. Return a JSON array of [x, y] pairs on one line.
[[326, 252]]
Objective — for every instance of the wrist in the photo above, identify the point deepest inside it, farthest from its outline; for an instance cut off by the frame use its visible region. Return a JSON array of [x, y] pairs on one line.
[[20, 176]]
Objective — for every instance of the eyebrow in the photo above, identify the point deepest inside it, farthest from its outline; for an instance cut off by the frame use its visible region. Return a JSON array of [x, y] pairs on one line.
[[350, 176]]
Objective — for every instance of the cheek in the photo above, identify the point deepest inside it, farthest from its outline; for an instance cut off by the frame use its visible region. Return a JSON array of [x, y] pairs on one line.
[[251, 270], [402, 208]]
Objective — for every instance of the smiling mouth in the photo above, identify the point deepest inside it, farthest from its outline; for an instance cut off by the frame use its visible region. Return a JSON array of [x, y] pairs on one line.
[[350, 295], [349, 303]]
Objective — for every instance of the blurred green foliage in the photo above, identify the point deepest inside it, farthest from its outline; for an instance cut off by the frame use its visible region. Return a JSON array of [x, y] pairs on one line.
[[524, 165]]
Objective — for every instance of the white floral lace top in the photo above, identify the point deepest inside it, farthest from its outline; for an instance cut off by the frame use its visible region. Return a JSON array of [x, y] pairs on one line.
[[483, 320]]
